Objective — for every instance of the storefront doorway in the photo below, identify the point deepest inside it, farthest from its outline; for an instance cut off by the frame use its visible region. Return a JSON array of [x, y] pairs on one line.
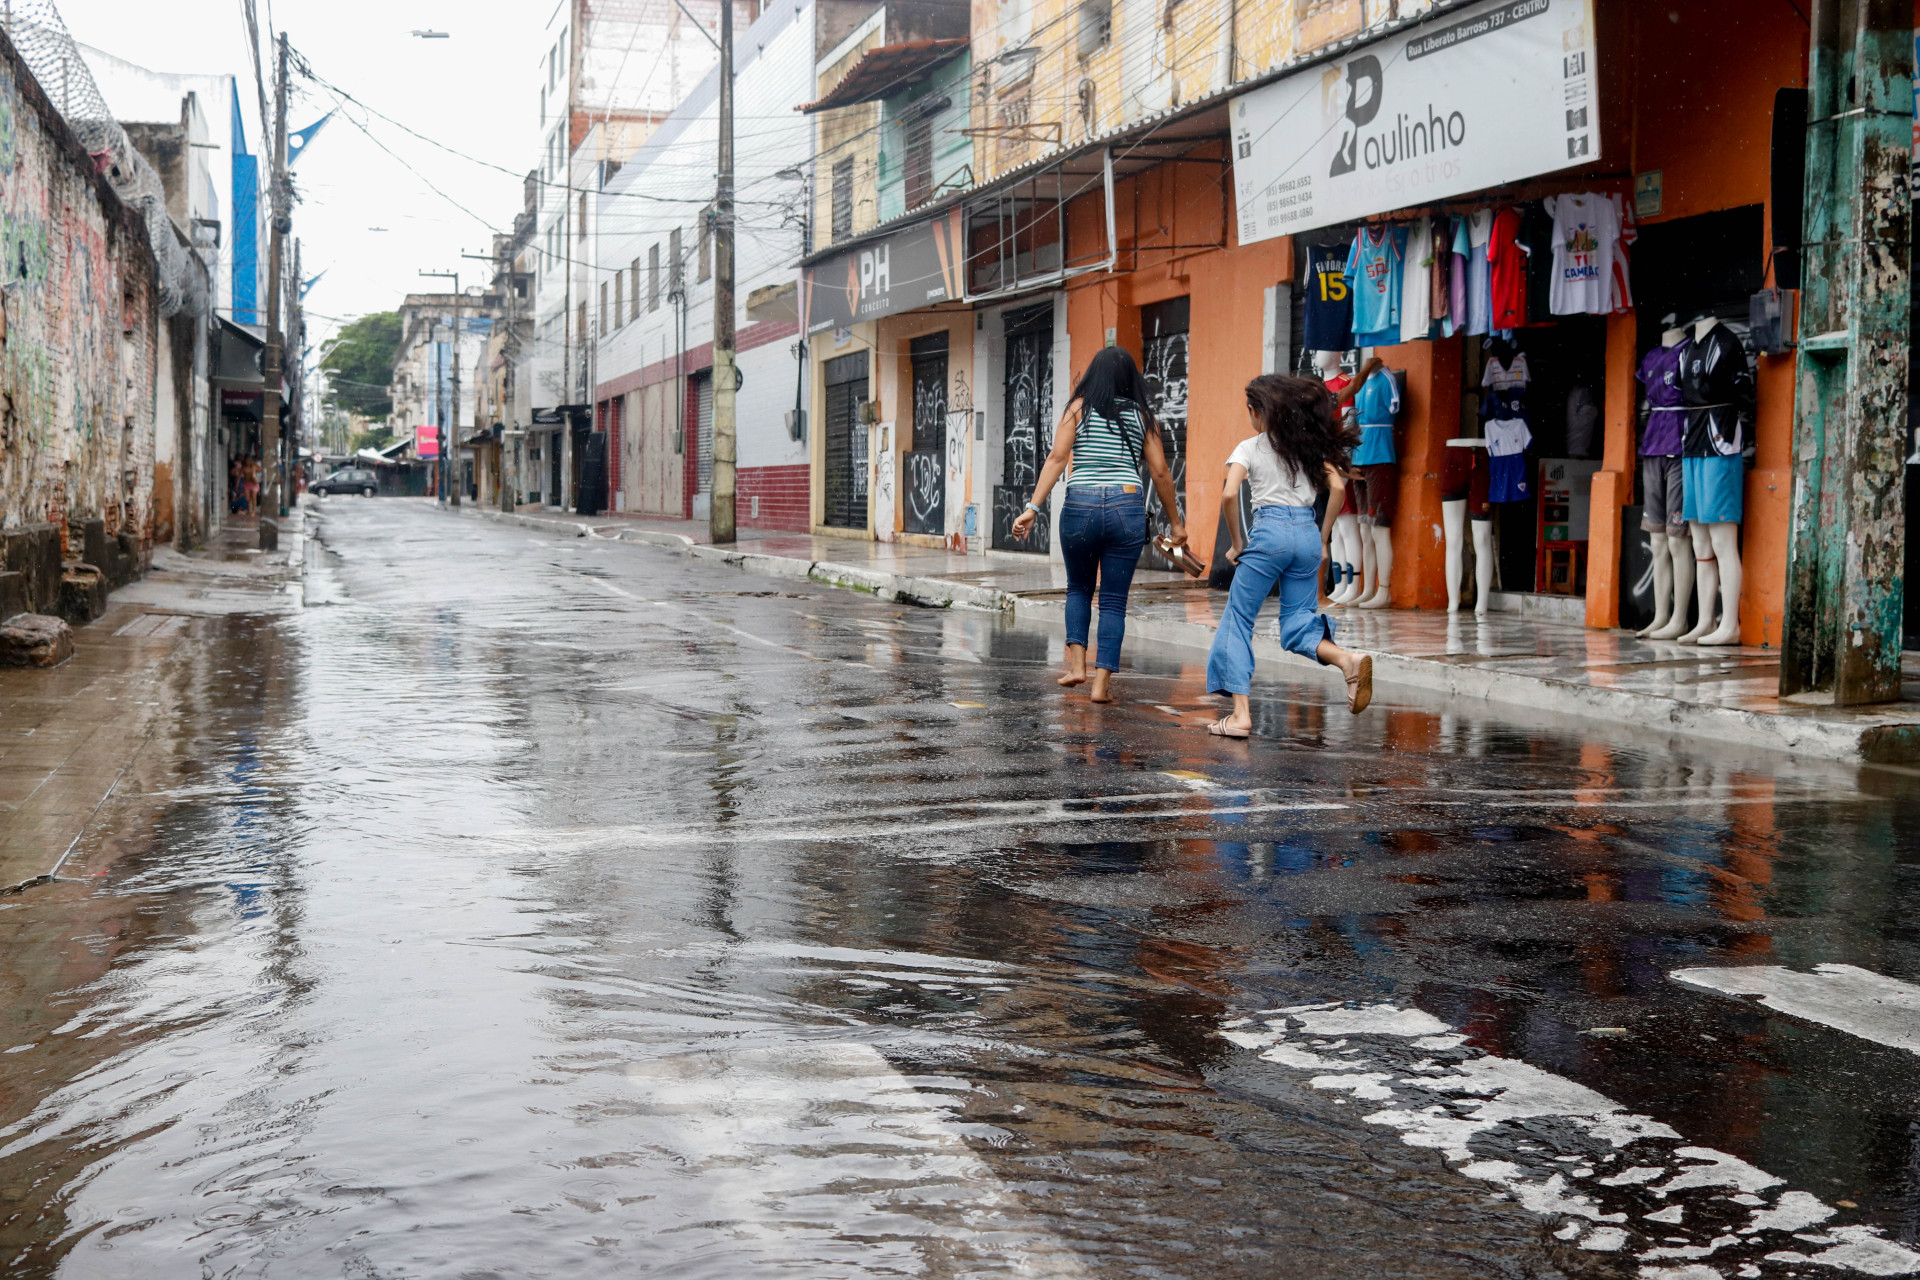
[[844, 480], [1029, 426], [926, 482], [1163, 339]]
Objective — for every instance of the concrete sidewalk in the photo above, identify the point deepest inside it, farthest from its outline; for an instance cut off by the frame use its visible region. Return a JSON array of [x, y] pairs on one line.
[[109, 724], [1505, 657]]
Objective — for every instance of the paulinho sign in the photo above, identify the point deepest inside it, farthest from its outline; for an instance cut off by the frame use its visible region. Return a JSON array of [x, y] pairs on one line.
[[1479, 97]]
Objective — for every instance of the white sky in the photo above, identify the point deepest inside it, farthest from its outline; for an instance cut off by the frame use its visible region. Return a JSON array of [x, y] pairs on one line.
[[477, 91]]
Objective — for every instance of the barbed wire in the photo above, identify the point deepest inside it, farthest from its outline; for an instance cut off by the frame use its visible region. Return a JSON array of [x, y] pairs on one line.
[[49, 50]]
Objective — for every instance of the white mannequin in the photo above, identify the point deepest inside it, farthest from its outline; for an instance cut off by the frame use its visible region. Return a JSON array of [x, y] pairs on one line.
[[1453, 519], [1348, 552], [1716, 553], [1379, 565], [1672, 563]]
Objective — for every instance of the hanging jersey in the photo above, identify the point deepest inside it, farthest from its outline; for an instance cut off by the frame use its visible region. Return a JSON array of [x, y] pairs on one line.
[[1536, 237], [1329, 324], [1378, 404], [1416, 283], [1507, 271], [1513, 376], [1373, 277], [1507, 441], [1585, 233], [1659, 373], [1718, 387]]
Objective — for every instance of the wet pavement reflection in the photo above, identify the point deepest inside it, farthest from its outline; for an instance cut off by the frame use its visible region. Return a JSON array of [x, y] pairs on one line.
[[539, 907]]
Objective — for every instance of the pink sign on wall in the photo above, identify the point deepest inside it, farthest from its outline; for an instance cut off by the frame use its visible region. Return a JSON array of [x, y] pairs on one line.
[[426, 441]]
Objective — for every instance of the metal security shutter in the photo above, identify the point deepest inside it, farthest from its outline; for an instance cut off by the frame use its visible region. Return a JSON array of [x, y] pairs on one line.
[[845, 440], [703, 429]]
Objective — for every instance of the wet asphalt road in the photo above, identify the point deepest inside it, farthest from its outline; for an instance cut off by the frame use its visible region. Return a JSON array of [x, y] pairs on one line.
[[542, 907]]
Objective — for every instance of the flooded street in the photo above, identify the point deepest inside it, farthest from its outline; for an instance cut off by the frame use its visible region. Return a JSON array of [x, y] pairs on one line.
[[529, 906]]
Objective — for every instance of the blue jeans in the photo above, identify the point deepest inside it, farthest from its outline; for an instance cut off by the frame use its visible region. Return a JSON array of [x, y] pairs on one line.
[[1283, 547], [1103, 529]]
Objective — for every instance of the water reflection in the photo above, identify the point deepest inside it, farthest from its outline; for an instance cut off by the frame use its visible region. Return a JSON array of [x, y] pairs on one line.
[[493, 944]]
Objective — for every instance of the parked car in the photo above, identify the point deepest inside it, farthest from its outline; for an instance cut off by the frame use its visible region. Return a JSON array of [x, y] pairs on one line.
[[352, 480]]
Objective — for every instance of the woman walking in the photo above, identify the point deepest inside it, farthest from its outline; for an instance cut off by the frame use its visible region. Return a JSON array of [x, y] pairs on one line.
[[1299, 445], [1106, 432]]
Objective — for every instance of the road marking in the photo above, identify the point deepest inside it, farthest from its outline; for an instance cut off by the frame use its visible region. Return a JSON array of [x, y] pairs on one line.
[[1842, 996], [1619, 1181]]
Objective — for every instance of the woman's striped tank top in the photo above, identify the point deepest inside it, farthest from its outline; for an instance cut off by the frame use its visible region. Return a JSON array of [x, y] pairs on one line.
[[1105, 450]]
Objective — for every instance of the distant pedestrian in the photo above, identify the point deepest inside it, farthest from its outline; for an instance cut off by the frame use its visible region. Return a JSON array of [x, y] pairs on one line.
[[1299, 445], [1106, 434], [250, 482]]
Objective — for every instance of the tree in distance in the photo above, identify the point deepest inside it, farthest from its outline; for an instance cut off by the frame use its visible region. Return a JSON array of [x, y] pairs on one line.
[[358, 362]]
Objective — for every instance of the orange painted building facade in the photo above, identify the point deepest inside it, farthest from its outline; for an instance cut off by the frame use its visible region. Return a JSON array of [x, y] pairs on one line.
[[1687, 92]]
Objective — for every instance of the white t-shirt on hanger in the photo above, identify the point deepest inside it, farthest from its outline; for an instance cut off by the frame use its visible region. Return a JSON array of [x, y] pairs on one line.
[[1586, 231], [1416, 283]]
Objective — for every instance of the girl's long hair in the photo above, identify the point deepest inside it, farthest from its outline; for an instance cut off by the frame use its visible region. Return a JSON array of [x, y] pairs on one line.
[[1302, 424], [1111, 377]]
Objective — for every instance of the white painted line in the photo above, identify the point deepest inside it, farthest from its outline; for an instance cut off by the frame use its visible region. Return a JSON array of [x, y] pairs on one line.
[[1616, 1181], [1850, 999]]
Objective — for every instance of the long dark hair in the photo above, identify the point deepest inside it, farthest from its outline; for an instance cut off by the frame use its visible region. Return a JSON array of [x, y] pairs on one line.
[[1302, 424], [1111, 377]]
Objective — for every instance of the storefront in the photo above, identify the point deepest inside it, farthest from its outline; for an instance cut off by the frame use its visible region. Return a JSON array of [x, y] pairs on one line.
[[1628, 183]]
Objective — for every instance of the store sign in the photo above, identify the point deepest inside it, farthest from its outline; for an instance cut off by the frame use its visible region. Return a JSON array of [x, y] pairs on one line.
[[907, 270], [1478, 98], [426, 442]]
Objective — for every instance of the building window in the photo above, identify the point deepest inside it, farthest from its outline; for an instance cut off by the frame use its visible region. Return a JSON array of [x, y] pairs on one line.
[[653, 277], [918, 161], [619, 299], [603, 308], [706, 245], [1096, 26], [843, 198], [633, 274], [674, 278]]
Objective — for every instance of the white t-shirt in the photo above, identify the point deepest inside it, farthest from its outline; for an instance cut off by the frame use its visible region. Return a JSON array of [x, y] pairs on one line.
[[1272, 482], [1586, 232], [1416, 283]]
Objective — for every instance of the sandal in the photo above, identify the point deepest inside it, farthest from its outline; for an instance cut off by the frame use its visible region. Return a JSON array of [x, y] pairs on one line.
[[1360, 686], [1219, 729]]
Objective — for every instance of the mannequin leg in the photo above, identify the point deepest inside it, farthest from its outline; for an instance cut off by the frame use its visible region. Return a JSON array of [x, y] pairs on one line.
[[1706, 578], [1680, 553], [1346, 554], [1453, 519], [1363, 584], [1662, 585], [1482, 566], [1726, 554], [1382, 569], [1346, 542]]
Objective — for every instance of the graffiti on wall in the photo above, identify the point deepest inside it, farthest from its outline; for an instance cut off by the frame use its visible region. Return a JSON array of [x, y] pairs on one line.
[[77, 333]]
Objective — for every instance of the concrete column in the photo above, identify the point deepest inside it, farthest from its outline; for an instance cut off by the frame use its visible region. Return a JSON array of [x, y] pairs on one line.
[[1613, 483], [1848, 535]]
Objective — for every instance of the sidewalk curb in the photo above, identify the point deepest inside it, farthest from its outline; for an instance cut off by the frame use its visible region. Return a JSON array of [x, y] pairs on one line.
[[1863, 741]]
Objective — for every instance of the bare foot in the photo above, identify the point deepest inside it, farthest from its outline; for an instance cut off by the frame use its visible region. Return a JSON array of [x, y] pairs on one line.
[[1102, 686], [1072, 677]]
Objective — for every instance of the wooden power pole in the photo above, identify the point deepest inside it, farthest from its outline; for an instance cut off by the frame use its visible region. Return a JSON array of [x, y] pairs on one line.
[[273, 359], [720, 511]]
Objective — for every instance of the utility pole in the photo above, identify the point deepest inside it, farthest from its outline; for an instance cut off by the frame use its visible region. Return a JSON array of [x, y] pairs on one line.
[[272, 358], [720, 527], [450, 431], [1841, 633]]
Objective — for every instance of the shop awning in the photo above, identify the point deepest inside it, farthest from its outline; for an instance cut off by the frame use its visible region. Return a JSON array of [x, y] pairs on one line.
[[886, 71]]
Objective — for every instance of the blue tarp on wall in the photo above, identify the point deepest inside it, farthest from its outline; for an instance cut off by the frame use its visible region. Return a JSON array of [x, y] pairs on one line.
[[246, 224]]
